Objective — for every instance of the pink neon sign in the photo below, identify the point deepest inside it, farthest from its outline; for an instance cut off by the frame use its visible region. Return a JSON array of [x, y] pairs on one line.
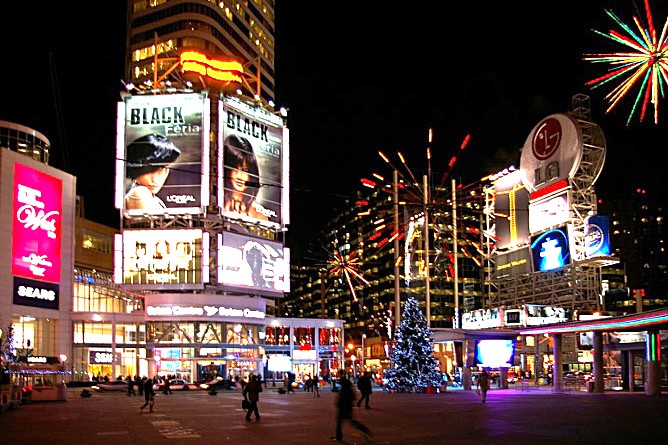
[[37, 225]]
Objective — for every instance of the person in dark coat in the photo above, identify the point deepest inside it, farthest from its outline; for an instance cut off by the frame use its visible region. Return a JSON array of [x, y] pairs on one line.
[[290, 380], [167, 386], [251, 393], [139, 384], [483, 384], [131, 386], [344, 410], [149, 394], [364, 385]]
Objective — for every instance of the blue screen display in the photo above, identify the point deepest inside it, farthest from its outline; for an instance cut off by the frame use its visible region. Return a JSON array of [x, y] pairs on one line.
[[495, 353], [550, 250]]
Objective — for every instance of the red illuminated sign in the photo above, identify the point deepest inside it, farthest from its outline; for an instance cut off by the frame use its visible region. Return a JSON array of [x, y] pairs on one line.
[[37, 225]]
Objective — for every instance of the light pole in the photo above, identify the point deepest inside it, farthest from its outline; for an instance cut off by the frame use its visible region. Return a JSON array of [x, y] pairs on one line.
[[352, 357], [363, 355]]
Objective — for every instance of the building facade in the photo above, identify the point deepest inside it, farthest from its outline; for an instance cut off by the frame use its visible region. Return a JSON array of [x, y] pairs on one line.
[[158, 31]]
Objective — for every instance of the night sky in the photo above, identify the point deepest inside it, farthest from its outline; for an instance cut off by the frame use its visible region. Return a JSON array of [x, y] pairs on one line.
[[379, 79]]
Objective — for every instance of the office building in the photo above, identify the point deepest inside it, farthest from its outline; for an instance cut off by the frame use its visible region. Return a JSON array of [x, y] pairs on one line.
[[158, 31]]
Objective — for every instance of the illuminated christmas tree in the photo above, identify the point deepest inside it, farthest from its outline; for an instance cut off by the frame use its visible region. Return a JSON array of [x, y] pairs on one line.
[[412, 363]]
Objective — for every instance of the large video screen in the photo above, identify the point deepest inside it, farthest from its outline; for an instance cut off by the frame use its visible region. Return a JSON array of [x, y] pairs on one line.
[[37, 225], [253, 265], [551, 249], [495, 353], [254, 162], [162, 163], [166, 259], [550, 212]]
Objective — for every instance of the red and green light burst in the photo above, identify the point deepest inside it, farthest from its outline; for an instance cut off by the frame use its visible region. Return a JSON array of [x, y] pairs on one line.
[[642, 68]]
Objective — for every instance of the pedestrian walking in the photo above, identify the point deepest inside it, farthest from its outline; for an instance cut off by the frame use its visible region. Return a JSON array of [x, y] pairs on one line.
[[149, 394], [316, 386], [139, 384], [344, 410], [251, 393], [365, 387], [290, 381], [483, 384], [131, 386], [166, 386]]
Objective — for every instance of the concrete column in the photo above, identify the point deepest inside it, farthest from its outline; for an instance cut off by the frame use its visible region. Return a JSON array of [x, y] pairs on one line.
[[629, 368], [538, 361], [468, 353], [598, 362], [653, 356], [557, 368], [503, 378]]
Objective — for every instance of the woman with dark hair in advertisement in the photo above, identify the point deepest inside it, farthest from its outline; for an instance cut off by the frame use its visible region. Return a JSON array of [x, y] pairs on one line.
[[147, 164], [241, 169]]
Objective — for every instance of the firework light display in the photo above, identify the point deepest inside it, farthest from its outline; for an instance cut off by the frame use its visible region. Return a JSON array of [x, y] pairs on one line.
[[414, 198], [642, 68]]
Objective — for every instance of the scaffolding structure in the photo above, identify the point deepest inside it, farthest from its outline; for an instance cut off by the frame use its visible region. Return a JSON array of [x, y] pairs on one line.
[[578, 285]]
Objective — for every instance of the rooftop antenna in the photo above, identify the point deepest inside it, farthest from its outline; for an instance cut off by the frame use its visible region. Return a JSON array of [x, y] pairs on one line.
[[59, 112]]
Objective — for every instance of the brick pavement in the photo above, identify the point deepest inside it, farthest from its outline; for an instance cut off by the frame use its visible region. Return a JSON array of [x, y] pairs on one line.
[[510, 416]]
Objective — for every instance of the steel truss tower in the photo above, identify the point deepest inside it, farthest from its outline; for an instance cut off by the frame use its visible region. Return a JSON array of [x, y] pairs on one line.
[[577, 286]]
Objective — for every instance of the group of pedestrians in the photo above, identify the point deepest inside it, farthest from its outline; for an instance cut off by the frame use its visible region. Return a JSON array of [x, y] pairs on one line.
[[135, 385]]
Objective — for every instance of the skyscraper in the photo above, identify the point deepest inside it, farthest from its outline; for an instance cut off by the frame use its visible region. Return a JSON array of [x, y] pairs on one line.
[[159, 30]]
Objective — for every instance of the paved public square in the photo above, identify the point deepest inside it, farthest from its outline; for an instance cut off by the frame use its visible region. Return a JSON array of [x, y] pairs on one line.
[[510, 416]]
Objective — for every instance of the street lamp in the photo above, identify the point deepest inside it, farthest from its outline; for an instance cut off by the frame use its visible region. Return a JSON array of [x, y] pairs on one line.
[[352, 357], [363, 355]]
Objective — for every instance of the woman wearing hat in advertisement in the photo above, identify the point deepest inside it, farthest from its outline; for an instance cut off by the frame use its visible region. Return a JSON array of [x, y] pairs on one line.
[[147, 165]]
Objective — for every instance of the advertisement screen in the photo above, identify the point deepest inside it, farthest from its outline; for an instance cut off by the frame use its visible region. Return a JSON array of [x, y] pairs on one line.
[[511, 198], [37, 225], [513, 264], [551, 250], [597, 236], [163, 155], [253, 265], [169, 259], [495, 353], [252, 164], [549, 212]]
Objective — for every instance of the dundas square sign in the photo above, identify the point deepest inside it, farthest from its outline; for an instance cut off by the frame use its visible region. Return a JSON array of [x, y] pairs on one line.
[[36, 225]]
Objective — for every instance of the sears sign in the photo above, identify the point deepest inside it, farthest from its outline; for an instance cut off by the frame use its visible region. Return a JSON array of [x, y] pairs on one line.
[[35, 293]]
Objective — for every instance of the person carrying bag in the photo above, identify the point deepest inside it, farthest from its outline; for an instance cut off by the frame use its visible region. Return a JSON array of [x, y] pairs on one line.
[[251, 394]]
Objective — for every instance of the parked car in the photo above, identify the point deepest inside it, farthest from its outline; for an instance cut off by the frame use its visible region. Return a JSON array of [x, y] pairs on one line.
[[115, 385], [176, 385], [218, 383]]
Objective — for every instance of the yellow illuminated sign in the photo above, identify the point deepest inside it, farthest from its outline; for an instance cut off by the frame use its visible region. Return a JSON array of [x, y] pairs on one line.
[[220, 70]]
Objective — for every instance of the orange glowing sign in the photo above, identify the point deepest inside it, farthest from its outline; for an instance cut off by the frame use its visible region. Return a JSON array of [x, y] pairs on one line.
[[224, 71]]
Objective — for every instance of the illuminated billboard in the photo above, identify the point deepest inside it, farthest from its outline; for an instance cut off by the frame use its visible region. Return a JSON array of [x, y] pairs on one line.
[[551, 249], [597, 236], [513, 264], [162, 154], [550, 211], [163, 259], [511, 199], [253, 159], [552, 153], [37, 225], [493, 353], [253, 265]]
